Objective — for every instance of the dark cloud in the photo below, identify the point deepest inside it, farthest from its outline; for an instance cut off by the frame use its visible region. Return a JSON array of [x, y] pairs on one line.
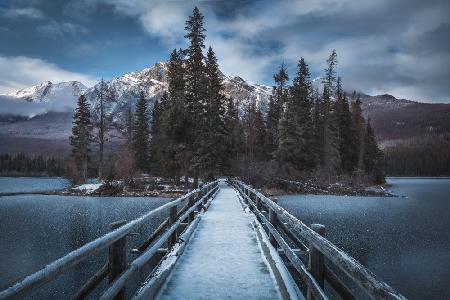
[[385, 46]]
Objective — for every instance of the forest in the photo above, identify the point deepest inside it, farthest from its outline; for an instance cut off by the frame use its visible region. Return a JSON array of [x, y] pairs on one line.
[[195, 131]]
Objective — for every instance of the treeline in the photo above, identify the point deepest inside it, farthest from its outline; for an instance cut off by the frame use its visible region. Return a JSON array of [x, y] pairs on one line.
[[197, 131], [22, 165], [420, 156]]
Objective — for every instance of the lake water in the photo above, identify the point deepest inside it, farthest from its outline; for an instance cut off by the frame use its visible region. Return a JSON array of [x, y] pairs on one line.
[[37, 229], [30, 184], [404, 240]]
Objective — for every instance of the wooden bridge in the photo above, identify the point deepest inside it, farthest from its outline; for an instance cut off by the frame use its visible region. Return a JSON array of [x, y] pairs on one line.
[[223, 240]]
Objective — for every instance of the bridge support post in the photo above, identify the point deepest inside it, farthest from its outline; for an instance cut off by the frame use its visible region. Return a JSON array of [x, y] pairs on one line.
[[316, 262], [191, 202], [172, 219], [117, 259], [273, 220]]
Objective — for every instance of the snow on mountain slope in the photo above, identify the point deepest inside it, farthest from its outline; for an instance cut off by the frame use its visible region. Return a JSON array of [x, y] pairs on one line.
[[152, 81], [49, 92]]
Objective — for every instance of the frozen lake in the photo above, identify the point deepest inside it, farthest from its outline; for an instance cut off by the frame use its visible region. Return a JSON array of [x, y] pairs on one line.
[[37, 229], [404, 240], [31, 184]]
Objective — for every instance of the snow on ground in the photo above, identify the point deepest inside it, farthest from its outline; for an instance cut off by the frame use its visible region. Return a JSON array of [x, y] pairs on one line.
[[223, 259], [88, 187]]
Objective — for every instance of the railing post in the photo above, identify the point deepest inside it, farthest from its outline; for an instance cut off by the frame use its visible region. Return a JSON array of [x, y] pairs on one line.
[[273, 220], [191, 202], [172, 219], [258, 203], [316, 262], [117, 258]]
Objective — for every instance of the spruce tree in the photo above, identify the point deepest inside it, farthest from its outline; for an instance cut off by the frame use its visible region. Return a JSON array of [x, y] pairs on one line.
[[276, 104], [360, 127], [347, 134], [373, 157], [234, 138], [141, 134], [195, 87], [296, 149], [212, 147], [81, 137], [175, 118], [330, 159]]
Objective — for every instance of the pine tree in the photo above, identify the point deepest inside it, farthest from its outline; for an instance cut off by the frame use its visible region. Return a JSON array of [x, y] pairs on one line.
[[373, 157], [141, 134], [195, 87], [360, 127], [255, 134], [175, 119], [276, 104], [330, 72], [212, 149], [81, 137], [330, 159], [347, 134], [296, 149], [234, 138]]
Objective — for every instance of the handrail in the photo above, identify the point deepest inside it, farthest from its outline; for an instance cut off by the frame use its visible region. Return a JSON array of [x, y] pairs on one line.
[[374, 287], [61, 265], [139, 262]]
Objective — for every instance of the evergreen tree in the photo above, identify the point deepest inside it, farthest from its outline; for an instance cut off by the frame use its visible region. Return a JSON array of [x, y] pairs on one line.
[[360, 127], [212, 147], [276, 104], [81, 137], [330, 72], [175, 119], [195, 87], [330, 159], [347, 135], [156, 140], [373, 157], [296, 149], [255, 134], [141, 134], [234, 138]]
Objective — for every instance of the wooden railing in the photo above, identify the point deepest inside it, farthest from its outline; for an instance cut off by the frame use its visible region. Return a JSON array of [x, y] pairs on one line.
[[116, 267], [312, 256]]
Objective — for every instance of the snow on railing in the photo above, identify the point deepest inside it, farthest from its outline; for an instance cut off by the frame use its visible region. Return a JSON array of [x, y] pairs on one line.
[[310, 262], [112, 239]]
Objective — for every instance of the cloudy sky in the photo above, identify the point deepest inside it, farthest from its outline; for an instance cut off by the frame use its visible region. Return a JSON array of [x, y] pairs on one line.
[[401, 47]]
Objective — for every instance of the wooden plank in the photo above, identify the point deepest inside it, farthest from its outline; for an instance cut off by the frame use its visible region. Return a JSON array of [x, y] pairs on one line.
[[92, 283], [117, 259], [172, 218], [338, 285], [316, 261]]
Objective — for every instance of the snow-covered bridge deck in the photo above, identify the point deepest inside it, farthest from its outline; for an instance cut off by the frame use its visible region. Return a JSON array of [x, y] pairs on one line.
[[223, 259]]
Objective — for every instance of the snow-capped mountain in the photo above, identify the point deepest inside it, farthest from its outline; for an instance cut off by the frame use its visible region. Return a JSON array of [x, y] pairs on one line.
[[152, 81], [49, 92]]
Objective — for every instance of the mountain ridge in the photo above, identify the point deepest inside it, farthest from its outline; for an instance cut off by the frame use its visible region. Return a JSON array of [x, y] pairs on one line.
[[391, 118]]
